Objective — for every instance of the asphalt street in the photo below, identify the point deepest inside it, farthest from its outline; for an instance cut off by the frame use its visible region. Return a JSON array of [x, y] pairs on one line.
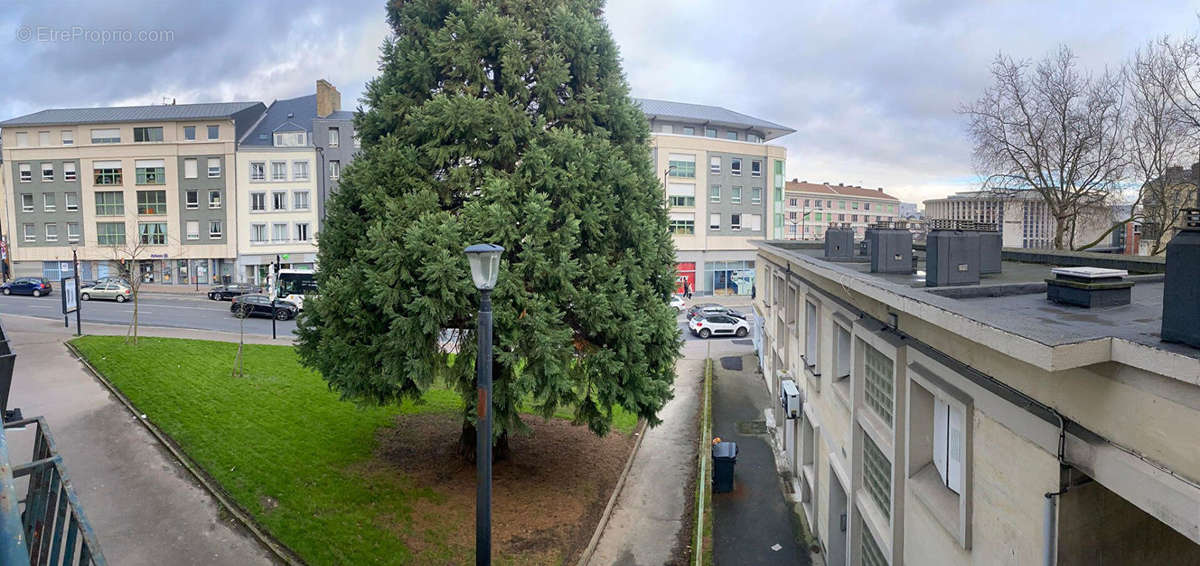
[[153, 310]]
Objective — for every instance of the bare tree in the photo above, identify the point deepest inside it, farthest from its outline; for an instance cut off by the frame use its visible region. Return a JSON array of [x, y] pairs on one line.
[[128, 255], [1052, 129]]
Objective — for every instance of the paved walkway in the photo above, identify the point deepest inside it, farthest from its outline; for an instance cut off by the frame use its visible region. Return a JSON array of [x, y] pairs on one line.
[[145, 508], [753, 524]]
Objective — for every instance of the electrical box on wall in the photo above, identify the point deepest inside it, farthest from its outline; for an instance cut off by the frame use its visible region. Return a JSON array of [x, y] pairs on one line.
[[789, 398]]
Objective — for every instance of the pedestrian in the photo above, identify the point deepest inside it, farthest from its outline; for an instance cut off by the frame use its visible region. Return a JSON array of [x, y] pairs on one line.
[[687, 290]]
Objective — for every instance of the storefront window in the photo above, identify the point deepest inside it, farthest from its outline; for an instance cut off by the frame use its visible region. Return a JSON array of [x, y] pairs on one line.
[[729, 277]]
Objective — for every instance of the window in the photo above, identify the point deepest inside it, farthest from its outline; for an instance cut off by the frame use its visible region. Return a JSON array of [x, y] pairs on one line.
[[841, 217], [152, 202], [279, 232], [26, 172], [877, 475], [71, 200], [214, 132], [756, 195], [107, 135], [301, 231], [51, 232], [69, 171], [714, 165], [667, 129], [854, 218], [731, 136], [279, 201], [258, 201], [754, 138], [193, 229], [735, 166], [152, 233], [682, 166], [811, 338], [842, 204], [150, 172], [291, 139], [258, 171], [735, 222], [258, 233], [190, 169], [806, 202], [877, 391], [47, 172], [681, 194], [278, 170], [333, 137], [189, 132], [683, 224], [866, 206], [191, 199], [948, 441], [110, 233], [736, 196], [214, 199], [357, 142], [817, 216], [754, 222], [154, 134], [710, 132], [43, 139], [300, 170], [22, 139], [214, 229], [72, 232], [110, 203], [106, 172], [714, 221], [714, 193], [854, 205], [300, 200], [689, 131], [756, 168], [214, 167], [793, 202], [335, 170], [871, 554], [49, 203], [30, 232]]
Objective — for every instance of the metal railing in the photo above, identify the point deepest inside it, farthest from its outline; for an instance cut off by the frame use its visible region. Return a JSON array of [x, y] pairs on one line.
[[52, 526]]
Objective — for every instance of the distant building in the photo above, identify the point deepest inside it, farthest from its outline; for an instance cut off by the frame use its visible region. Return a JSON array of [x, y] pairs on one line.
[[724, 188], [1161, 219], [1023, 216], [909, 210], [812, 207]]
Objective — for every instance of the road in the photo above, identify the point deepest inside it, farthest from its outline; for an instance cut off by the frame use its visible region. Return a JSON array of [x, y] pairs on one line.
[[153, 310]]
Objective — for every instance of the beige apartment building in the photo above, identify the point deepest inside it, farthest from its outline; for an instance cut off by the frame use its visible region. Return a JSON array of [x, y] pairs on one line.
[[153, 181], [724, 188], [812, 207], [1022, 216], [981, 424]]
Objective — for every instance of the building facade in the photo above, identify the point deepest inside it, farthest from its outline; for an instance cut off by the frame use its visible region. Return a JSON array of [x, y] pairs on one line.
[[335, 141], [724, 188], [149, 184], [980, 428], [812, 207], [1023, 216]]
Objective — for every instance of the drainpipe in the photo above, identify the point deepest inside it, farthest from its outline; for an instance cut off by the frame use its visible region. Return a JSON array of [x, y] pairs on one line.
[[1050, 523]]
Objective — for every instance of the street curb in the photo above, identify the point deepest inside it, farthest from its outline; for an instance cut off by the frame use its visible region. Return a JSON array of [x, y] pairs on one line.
[[276, 548], [612, 500]]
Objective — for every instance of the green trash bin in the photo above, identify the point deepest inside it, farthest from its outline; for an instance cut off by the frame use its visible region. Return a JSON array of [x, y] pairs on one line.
[[724, 455]]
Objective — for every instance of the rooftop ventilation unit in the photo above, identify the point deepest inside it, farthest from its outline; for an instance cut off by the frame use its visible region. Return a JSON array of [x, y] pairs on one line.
[[951, 255], [1181, 288], [1089, 287], [891, 248], [839, 242], [990, 242]]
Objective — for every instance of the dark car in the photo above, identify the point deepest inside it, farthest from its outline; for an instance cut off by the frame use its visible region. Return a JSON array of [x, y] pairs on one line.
[[36, 286], [708, 309], [227, 292], [260, 305], [699, 307]]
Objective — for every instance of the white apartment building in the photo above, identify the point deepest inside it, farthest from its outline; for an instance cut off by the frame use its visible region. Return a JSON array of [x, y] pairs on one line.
[[812, 207], [1023, 216]]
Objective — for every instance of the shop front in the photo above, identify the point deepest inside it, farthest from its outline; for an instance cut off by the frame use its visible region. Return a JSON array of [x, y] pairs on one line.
[[685, 275], [729, 277]]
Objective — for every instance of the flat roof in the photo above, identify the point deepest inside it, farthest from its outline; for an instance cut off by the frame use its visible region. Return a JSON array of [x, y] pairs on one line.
[[121, 114]]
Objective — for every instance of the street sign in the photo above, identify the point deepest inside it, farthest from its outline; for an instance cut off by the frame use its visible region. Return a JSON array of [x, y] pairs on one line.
[[70, 294]]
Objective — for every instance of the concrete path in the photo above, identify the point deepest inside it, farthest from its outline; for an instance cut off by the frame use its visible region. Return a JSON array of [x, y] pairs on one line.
[[755, 517], [144, 506]]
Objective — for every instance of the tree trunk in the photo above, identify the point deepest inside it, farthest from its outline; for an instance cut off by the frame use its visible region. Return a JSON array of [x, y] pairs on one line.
[[1060, 228], [466, 444]]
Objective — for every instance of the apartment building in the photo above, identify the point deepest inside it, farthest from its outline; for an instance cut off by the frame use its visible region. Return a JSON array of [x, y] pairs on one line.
[[724, 188], [812, 207], [1023, 216], [105, 182], [984, 425]]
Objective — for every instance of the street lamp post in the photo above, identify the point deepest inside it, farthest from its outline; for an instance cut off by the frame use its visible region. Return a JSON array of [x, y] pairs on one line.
[[485, 265]]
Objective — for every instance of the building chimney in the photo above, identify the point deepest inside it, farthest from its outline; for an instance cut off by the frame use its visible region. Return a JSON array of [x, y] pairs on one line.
[[881, 189], [329, 100], [1181, 290]]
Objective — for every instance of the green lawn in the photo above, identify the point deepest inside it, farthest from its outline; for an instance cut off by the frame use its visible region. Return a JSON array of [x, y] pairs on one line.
[[278, 440]]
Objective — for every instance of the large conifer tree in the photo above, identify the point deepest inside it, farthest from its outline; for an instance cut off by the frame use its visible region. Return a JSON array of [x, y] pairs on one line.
[[506, 122]]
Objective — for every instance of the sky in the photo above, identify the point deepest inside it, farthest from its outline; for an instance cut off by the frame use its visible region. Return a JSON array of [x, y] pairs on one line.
[[871, 88]]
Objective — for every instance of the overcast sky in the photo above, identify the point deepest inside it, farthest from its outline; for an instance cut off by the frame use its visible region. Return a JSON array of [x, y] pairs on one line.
[[870, 88]]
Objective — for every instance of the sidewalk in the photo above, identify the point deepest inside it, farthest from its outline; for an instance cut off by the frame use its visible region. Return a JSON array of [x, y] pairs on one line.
[[144, 507], [756, 516]]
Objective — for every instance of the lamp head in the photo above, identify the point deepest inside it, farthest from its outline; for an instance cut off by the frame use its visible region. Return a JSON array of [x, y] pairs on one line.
[[485, 264]]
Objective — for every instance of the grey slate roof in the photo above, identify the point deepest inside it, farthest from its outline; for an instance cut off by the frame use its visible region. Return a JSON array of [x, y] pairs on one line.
[[714, 115], [116, 114], [296, 113]]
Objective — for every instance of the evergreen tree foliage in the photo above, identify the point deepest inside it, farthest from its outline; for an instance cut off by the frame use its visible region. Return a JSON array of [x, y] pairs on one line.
[[505, 122]]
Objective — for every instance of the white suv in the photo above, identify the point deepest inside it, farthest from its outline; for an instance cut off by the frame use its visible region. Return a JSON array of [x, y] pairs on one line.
[[718, 325]]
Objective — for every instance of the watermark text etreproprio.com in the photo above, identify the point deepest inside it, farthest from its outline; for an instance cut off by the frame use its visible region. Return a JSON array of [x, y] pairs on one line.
[[82, 34]]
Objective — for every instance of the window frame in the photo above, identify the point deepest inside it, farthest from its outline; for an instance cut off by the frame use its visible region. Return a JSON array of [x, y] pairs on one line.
[[278, 197], [191, 199], [277, 167], [49, 202], [220, 230], [258, 171], [147, 133], [145, 207], [103, 237], [51, 227], [214, 172], [27, 198], [25, 172], [187, 227], [259, 196], [105, 139], [735, 222], [191, 168], [307, 229], [735, 194], [67, 205], [735, 166], [307, 200], [29, 232], [211, 128], [189, 133], [72, 238], [108, 206], [214, 204], [45, 178], [70, 174], [153, 237], [254, 226]]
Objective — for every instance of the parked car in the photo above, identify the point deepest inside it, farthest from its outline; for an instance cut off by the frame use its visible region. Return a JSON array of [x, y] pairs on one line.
[[714, 309], [260, 305], [718, 325], [227, 292], [36, 286], [699, 307], [103, 280], [115, 291], [677, 302]]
